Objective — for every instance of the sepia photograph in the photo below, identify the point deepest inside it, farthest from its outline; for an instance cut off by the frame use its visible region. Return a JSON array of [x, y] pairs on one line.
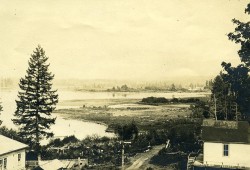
[[125, 85]]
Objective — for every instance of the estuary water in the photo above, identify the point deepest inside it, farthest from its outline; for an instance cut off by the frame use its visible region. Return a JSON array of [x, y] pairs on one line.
[[63, 127], [81, 129]]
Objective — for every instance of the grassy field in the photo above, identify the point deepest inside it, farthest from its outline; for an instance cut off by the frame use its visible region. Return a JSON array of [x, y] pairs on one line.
[[122, 111]]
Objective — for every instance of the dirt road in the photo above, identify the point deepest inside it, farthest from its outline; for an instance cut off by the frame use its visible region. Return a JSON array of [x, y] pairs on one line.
[[143, 158]]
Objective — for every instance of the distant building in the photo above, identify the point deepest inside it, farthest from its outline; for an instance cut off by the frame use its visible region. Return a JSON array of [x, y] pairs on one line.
[[226, 145], [12, 154]]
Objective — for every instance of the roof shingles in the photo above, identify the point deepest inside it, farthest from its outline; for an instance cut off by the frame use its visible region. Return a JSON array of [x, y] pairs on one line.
[[226, 131]]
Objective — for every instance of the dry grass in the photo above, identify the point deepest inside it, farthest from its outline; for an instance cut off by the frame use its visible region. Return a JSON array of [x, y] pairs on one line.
[[106, 111]]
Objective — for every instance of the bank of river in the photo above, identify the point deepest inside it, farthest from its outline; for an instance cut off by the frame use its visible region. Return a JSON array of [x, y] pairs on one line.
[[63, 127], [81, 129]]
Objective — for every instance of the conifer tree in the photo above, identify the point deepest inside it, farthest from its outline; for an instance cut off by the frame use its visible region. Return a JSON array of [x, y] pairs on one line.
[[36, 101], [236, 80]]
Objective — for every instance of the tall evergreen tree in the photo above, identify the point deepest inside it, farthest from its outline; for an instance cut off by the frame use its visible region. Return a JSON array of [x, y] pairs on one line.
[[238, 77], [241, 35], [36, 101], [236, 80]]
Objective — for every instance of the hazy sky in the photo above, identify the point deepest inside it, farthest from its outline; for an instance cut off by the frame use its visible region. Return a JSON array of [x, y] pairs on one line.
[[125, 39]]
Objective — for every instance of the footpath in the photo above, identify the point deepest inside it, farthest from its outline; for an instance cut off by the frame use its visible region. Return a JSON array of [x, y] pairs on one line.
[[142, 159]]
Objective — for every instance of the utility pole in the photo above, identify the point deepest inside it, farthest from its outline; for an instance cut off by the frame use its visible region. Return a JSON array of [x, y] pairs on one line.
[[122, 142], [122, 156], [236, 111], [215, 114]]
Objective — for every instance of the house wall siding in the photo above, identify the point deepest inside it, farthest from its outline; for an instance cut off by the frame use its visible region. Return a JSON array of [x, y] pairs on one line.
[[238, 154], [12, 160]]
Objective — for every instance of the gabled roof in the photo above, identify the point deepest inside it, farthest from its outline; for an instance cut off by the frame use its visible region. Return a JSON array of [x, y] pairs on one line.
[[52, 164], [60, 164], [225, 131], [8, 145]]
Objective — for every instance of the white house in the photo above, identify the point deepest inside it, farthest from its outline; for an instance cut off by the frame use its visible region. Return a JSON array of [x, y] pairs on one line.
[[12, 154], [226, 144]]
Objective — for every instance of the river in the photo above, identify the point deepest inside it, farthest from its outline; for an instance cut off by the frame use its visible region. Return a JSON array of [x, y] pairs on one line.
[[61, 128], [81, 129]]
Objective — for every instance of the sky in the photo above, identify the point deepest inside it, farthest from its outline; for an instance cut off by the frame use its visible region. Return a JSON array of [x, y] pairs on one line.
[[120, 39]]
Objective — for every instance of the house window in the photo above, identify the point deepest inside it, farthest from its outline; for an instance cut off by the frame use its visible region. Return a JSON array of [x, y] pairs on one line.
[[1, 164], [225, 150], [19, 157], [5, 163]]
